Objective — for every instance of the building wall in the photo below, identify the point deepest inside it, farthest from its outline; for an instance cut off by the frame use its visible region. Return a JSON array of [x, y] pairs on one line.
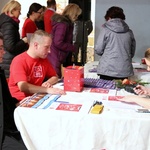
[[3, 3]]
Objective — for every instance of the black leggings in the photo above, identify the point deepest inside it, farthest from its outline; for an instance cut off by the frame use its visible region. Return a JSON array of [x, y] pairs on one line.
[[13, 143], [111, 78]]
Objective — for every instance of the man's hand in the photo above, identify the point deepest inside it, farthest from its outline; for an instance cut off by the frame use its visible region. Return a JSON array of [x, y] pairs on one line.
[[56, 91], [47, 84]]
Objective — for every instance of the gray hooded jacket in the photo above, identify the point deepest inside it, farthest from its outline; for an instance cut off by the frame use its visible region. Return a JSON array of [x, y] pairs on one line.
[[116, 46]]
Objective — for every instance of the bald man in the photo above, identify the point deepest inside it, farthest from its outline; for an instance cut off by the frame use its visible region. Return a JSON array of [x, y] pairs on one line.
[[29, 70]]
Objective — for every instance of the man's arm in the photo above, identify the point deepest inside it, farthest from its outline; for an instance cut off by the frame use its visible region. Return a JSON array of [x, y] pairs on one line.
[[50, 82], [30, 88], [53, 80]]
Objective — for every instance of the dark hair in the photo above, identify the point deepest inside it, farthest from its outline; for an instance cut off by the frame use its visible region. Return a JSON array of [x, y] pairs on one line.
[[115, 12], [1, 36], [51, 3], [34, 7]]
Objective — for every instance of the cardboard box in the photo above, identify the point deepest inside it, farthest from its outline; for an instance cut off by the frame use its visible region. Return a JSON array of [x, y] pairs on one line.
[[74, 78]]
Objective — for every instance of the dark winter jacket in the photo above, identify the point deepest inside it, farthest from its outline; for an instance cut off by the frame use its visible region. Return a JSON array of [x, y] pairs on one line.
[[13, 45], [7, 106], [62, 43]]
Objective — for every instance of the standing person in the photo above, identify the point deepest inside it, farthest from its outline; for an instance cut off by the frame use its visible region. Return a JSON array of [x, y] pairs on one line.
[[51, 8], [40, 22], [80, 38], [9, 27], [34, 13], [10, 138], [116, 46], [62, 34], [29, 70]]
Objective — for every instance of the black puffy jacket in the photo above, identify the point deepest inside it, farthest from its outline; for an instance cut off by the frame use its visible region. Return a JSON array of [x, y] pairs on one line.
[[13, 45]]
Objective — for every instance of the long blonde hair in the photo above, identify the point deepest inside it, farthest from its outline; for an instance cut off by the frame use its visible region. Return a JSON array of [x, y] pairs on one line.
[[10, 6], [72, 10]]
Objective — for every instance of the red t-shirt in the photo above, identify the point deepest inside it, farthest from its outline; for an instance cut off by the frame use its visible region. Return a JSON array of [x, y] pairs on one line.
[[29, 26], [25, 68], [47, 20]]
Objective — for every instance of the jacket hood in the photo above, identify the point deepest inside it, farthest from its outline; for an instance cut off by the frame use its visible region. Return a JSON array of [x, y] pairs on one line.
[[57, 18], [117, 25], [4, 19]]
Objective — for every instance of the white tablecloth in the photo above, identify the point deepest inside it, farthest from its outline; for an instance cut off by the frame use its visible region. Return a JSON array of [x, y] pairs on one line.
[[118, 127]]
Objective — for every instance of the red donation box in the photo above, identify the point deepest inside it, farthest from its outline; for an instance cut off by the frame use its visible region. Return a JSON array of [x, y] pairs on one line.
[[73, 78]]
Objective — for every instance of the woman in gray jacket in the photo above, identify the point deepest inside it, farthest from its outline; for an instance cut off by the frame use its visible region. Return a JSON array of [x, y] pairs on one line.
[[116, 46]]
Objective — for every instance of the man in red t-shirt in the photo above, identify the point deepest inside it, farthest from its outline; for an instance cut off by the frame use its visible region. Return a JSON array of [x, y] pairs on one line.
[[29, 69], [51, 8]]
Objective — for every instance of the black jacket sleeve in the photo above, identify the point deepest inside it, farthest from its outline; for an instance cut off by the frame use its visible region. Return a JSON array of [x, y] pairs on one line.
[[12, 41]]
